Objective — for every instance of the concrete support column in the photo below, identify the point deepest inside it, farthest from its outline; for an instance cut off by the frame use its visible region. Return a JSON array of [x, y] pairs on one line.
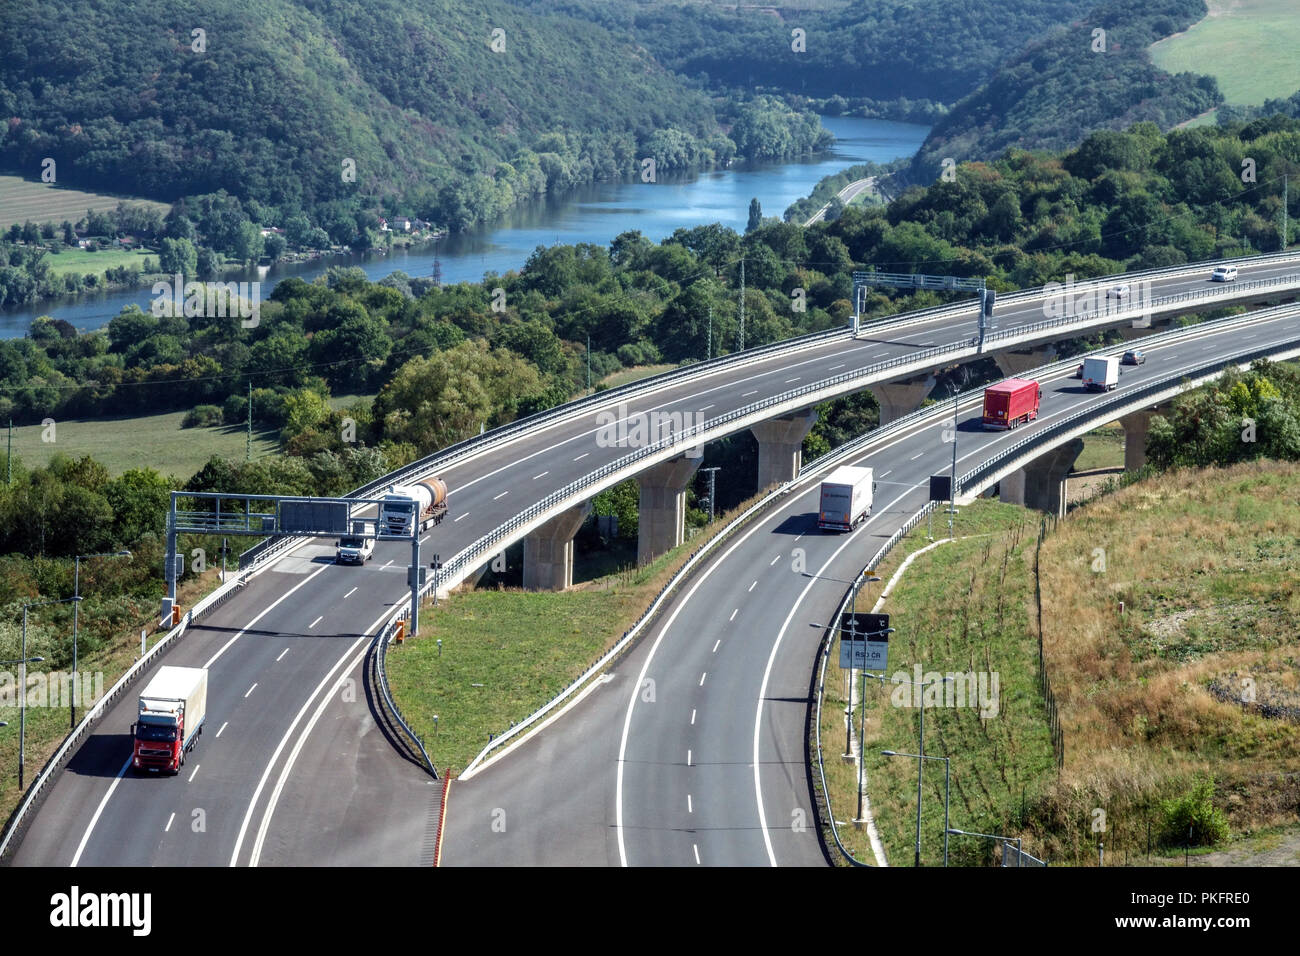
[[1130, 332], [1135, 428], [897, 399], [1040, 484], [1013, 364], [780, 447], [548, 551], [661, 519]]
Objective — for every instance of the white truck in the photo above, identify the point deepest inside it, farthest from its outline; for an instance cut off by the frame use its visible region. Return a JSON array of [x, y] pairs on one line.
[[1101, 373], [422, 501], [356, 548], [172, 709], [845, 499]]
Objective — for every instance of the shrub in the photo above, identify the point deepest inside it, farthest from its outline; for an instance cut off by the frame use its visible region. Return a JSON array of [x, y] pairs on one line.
[[1194, 813], [202, 416]]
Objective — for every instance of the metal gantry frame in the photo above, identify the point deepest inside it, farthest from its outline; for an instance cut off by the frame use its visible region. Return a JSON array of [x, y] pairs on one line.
[[268, 520], [901, 280]]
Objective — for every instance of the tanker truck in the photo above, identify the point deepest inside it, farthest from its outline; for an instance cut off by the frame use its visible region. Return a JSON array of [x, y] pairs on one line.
[[424, 502]]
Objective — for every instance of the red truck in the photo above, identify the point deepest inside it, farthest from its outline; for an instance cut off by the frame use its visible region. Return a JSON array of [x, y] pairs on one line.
[[1011, 402]]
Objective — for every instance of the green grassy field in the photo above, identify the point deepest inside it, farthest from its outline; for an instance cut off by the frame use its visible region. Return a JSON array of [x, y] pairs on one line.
[[154, 440], [1102, 448], [22, 200], [634, 374], [1249, 46], [81, 261]]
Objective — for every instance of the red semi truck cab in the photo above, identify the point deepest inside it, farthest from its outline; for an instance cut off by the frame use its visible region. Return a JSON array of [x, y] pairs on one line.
[[1011, 402], [172, 710]]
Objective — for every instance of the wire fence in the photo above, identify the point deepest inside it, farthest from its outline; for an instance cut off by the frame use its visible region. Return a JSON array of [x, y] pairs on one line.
[[1044, 682]]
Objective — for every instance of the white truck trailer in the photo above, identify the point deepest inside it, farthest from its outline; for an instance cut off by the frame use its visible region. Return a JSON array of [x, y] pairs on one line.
[[845, 499]]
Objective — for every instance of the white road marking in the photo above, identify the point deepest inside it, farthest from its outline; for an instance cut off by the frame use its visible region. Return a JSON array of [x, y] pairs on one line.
[[386, 565], [692, 717], [169, 822], [465, 515], [225, 647], [250, 690], [789, 380], [690, 808], [582, 456], [688, 758], [322, 617], [774, 560], [715, 647], [702, 676], [99, 810], [913, 458], [223, 727], [834, 367], [707, 407], [754, 585], [747, 394], [733, 615], [282, 653], [502, 495], [349, 594], [542, 475], [196, 770], [696, 846], [883, 474]]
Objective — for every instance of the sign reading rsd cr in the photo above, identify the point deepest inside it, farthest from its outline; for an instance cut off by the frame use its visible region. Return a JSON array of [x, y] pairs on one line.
[[864, 643]]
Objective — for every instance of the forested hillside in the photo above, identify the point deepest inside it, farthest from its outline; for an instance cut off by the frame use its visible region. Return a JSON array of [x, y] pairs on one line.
[[448, 111], [1094, 74]]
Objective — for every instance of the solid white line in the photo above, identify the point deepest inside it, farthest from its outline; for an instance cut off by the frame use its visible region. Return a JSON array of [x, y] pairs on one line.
[[465, 515], [582, 456], [696, 846], [733, 614], [542, 475], [223, 727], [322, 617], [169, 822], [225, 647], [767, 674], [282, 653], [715, 646], [196, 770], [774, 560], [689, 807], [85, 837], [349, 594], [502, 495], [250, 690], [702, 676]]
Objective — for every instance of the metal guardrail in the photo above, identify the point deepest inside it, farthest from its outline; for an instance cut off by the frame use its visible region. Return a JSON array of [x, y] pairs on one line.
[[379, 656]]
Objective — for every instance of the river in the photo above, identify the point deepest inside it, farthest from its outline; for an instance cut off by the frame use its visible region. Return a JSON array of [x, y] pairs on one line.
[[595, 214]]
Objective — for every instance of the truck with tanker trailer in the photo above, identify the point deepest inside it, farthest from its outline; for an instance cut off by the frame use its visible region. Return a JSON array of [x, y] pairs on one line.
[[424, 502], [172, 710], [845, 498], [1011, 402]]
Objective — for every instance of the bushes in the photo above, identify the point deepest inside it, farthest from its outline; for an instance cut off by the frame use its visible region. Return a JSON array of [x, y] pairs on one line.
[[203, 416], [1193, 818]]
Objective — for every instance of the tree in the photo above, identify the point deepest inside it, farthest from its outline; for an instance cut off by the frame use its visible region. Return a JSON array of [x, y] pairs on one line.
[[755, 215], [178, 256]]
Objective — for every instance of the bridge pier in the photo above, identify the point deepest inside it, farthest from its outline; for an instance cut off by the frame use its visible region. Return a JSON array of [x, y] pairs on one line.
[[1136, 425], [548, 551], [780, 446], [661, 517], [1134, 331], [1041, 483], [897, 399]]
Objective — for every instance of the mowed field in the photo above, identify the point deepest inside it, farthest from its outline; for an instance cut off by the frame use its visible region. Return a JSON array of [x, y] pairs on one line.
[[1249, 46], [22, 200], [155, 441], [82, 261]]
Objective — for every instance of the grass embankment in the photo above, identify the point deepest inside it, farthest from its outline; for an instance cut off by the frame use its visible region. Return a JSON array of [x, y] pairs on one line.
[[634, 374], [1103, 447], [48, 724], [960, 608], [22, 200], [1247, 45], [154, 440], [82, 261], [1150, 701], [507, 652]]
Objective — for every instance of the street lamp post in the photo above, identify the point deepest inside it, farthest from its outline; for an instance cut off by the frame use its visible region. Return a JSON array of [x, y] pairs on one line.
[[991, 836], [76, 607], [894, 753]]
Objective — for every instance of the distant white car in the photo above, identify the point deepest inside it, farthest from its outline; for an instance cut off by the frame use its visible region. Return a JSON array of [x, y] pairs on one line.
[[354, 550], [1120, 292], [1223, 274]]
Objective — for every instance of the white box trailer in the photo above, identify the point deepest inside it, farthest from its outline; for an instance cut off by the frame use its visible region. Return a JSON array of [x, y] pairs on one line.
[[845, 498], [172, 710], [1101, 373]]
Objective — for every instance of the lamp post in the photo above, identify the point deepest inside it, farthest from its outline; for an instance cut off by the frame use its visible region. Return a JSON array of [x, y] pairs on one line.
[[862, 728], [22, 696], [991, 836], [919, 762], [895, 753], [76, 606]]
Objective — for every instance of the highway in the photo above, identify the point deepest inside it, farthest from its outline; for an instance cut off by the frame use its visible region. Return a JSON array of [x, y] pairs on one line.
[[278, 648], [712, 770]]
